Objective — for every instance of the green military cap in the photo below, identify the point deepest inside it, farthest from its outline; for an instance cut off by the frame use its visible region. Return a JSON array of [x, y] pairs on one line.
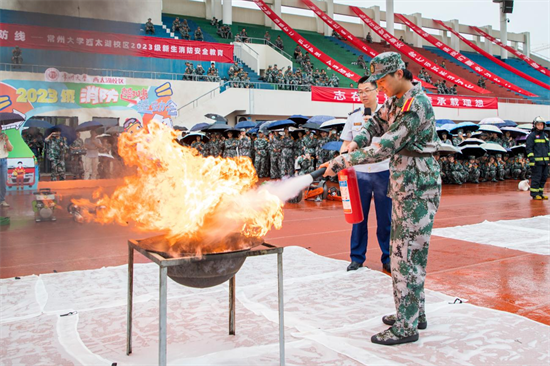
[[384, 64], [471, 157], [499, 155]]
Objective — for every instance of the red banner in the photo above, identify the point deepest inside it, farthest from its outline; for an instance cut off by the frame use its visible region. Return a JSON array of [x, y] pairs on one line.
[[465, 60], [492, 58], [403, 48], [343, 95], [350, 37], [27, 36], [318, 54], [518, 54]]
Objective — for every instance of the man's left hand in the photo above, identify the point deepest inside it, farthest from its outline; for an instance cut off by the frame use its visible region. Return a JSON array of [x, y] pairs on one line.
[[337, 163]]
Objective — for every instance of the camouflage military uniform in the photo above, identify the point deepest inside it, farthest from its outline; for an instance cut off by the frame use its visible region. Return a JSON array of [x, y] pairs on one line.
[[230, 150], [517, 169], [199, 146], [456, 173], [483, 168], [76, 163], [491, 170], [306, 165], [275, 148], [473, 170], [408, 134], [287, 156], [260, 151], [56, 154], [322, 154], [501, 169], [244, 146]]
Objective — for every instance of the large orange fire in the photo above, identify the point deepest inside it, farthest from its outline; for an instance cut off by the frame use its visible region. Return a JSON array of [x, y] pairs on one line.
[[201, 204]]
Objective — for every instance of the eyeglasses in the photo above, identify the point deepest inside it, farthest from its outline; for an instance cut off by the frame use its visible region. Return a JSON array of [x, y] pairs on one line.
[[365, 91]]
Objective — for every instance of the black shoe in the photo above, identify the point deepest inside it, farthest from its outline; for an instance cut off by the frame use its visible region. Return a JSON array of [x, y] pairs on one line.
[[386, 267], [390, 320], [388, 338], [354, 266]]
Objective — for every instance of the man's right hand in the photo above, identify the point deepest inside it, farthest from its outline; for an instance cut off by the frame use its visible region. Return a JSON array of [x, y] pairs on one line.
[[352, 146]]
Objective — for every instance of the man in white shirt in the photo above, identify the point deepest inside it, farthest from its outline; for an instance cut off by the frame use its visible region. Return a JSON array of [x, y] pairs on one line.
[[373, 180], [5, 148]]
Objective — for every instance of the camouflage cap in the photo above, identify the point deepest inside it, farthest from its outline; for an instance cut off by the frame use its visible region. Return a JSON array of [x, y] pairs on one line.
[[384, 64], [499, 156], [472, 157]]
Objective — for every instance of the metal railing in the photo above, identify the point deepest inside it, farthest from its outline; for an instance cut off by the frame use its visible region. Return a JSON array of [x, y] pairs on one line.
[[246, 54]]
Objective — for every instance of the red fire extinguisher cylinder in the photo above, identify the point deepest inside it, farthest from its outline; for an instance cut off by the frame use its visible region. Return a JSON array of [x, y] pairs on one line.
[[351, 201]]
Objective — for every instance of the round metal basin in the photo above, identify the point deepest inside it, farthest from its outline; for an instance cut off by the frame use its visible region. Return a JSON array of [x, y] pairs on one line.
[[210, 270]]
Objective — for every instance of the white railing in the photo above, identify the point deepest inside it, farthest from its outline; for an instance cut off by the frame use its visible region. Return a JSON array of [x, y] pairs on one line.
[[246, 54]]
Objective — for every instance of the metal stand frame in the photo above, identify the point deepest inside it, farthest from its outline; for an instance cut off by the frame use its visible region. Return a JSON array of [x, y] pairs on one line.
[[164, 263]]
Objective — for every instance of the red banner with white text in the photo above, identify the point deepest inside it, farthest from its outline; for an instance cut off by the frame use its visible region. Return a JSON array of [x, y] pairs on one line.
[[318, 54], [492, 58], [518, 54], [465, 60], [403, 48], [29, 36], [343, 95], [350, 37]]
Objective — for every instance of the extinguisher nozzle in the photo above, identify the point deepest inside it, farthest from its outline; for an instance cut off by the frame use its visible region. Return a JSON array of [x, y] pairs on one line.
[[318, 173]]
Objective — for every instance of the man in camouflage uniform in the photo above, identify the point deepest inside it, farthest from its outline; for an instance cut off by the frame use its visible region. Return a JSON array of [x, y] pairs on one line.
[[322, 154], [198, 145], [287, 154], [275, 148], [456, 173], [501, 168], [483, 168], [77, 151], [261, 154], [473, 169], [57, 150], [406, 125], [305, 164], [459, 137], [230, 146], [244, 144], [491, 168], [518, 169]]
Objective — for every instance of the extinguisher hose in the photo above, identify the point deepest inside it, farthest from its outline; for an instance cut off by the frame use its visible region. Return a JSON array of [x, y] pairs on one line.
[[318, 173]]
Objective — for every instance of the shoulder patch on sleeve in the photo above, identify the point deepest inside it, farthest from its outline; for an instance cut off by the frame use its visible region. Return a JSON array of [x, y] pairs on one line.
[[407, 105], [352, 112]]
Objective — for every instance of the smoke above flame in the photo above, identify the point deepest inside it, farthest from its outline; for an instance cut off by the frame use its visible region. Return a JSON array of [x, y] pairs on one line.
[[201, 202]]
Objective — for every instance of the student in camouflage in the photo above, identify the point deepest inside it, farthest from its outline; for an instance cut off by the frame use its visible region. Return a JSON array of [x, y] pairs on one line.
[[230, 146], [406, 125], [287, 155], [244, 144], [261, 155], [57, 150], [274, 148]]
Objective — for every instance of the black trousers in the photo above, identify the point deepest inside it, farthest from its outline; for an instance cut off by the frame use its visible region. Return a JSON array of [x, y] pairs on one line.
[[539, 174]]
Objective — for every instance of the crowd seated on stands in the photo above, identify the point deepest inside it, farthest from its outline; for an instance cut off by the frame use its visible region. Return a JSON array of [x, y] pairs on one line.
[[225, 32], [481, 82], [299, 80], [149, 27], [199, 74], [242, 36], [423, 75], [442, 88]]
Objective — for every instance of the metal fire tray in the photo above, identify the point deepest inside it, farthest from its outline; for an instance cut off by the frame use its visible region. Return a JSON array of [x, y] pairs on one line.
[[164, 263]]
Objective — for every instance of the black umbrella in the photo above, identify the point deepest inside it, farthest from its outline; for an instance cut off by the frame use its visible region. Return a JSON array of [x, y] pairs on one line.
[[217, 127], [280, 124], [188, 139], [6, 118], [314, 126], [471, 141], [88, 126], [235, 132], [295, 132], [38, 123], [520, 149], [200, 126], [299, 119], [216, 117], [474, 150]]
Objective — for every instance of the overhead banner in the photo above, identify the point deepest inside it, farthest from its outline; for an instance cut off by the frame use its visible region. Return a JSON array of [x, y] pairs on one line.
[[343, 95], [350, 37], [318, 54], [29, 36], [465, 60], [403, 48], [518, 54], [492, 58]]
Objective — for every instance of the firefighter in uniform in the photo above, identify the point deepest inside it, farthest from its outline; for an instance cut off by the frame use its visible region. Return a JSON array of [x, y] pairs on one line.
[[406, 125], [538, 153]]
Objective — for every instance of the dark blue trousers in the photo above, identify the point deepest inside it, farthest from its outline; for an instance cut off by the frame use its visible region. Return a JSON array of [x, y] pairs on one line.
[[372, 184]]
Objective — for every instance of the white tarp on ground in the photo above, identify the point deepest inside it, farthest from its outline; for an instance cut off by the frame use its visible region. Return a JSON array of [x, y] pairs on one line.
[[530, 235], [330, 315]]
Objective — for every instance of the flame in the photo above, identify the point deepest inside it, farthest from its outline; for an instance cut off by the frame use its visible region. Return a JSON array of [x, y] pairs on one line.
[[200, 202]]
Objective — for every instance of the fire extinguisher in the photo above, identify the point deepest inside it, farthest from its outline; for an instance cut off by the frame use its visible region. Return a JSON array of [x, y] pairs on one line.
[[351, 201]]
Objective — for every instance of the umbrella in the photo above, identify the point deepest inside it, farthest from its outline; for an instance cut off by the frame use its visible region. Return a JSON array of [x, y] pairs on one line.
[[319, 119], [520, 149], [66, 131], [245, 124], [492, 121], [280, 124], [295, 132], [493, 147], [314, 126], [446, 149], [490, 128], [199, 126], [235, 132], [333, 145], [525, 126], [514, 131], [177, 128], [298, 118], [465, 126], [87, 126], [521, 138], [115, 129], [509, 123], [193, 136], [447, 126], [39, 123], [442, 122], [6, 118], [475, 150], [217, 127], [334, 123], [472, 141], [216, 117]]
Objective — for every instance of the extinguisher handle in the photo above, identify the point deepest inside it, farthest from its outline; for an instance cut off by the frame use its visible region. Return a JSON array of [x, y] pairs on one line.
[[318, 173]]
